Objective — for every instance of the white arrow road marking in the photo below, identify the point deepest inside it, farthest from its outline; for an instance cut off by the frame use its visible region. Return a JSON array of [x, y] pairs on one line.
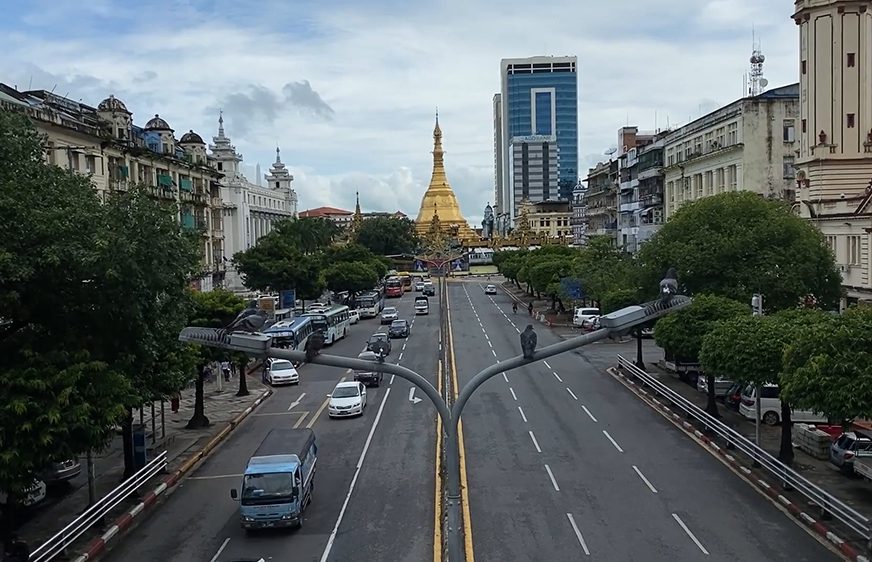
[[412, 398], [296, 402]]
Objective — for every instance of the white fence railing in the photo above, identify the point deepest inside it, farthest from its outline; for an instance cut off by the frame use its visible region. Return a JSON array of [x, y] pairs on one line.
[[66, 536], [788, 477]]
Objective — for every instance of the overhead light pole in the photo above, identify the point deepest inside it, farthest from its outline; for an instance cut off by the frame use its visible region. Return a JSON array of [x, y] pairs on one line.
[[616, 323]]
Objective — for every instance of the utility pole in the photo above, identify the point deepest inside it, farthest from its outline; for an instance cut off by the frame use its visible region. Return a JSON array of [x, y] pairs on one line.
[[757, 310]]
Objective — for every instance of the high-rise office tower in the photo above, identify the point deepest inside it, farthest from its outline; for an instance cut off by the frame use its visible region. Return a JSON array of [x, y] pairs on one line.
[[537, 150]]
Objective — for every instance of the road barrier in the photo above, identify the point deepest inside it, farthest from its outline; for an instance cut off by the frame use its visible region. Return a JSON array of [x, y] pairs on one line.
[[62, 540], [788, 477]]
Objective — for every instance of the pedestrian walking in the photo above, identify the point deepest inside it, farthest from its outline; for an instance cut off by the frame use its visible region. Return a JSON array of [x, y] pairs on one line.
[[530, 309], [207, 372], [225, 368]]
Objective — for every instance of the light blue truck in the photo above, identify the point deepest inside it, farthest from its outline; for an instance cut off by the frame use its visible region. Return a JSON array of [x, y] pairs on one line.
[[278, 481]]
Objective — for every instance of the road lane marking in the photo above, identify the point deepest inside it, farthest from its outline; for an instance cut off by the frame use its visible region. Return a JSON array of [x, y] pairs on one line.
[[505, 378], [517, 330], [689, 534], [296, 402], [578, 534], [535, 443], [546, 364], [216, 477], [494, 352], [490, 344], [300, 421], [437, 503], [400, 358], [553, 480], [513, 393], [586, 411], [645, 480], [392, 379], [320, 410], [609, 437], [220, 549], [485, 336], [279, 413], [558, 376], [523, 417], [571, 393], [366, 444]]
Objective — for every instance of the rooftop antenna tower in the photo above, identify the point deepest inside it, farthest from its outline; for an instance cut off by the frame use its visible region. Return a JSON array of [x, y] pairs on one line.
[[757, 82]]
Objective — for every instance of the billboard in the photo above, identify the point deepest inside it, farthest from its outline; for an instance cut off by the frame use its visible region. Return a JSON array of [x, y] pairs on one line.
[[288, 299], [459, 265]]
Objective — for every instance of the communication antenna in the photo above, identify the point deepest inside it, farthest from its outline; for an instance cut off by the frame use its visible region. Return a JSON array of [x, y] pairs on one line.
[[611, 150], [757, 82]]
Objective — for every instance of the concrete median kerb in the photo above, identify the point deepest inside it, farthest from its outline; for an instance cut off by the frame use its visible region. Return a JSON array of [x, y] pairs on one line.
[[751, 476], [97, 546]]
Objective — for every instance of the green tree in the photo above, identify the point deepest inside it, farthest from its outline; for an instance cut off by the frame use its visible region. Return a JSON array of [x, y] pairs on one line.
[[738, 243], [309, 234], [603, 268], [828, 366], [350, 276], [386, 236], [355, 253], [276, 263], [681, 334]]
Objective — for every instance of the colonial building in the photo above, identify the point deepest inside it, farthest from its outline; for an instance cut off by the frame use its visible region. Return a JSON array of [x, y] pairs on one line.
[[747, 145], [640, 198], [105, 144], [834, 177], [250, 211], [339, 217], [578, 221], [548, 219], [600, 200]]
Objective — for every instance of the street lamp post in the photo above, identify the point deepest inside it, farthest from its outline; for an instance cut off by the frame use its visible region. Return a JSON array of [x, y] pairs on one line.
[[616, 323]]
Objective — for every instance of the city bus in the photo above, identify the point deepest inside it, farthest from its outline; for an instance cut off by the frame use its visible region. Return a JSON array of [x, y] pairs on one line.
[[291, 334], [334, 323], [406, 279], [370, 304], [394, 287]]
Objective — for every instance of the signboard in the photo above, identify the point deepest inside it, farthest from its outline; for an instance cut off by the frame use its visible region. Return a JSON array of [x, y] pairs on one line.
[[459, 264], [419, 265], [572, 288], [288, 299], [269, 305]]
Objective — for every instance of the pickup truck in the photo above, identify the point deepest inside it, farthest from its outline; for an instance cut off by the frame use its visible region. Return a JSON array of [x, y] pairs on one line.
[[278, 481]]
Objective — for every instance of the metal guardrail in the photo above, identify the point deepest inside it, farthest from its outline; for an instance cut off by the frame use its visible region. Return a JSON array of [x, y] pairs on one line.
[[783, 473], [63, 539]]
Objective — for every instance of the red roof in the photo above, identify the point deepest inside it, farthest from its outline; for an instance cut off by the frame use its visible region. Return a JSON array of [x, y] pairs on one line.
[[324, 212]]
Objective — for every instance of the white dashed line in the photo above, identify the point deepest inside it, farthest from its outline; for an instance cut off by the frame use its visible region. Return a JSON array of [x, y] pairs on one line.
[[553, 480], [494, 352], [523, 417], [578, 534], [558, 377], [517, 330], [609, 437], [485, 336], [505, 378], [535, 443], [586, 411], [512, 390], [400, 358], [645, 480], [489, 343], [571, 393], [689, 534], [392, 379], [546, 364]]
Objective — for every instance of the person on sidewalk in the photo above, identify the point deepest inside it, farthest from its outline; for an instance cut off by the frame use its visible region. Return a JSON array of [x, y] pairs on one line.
[[207, 372], [225, 368], [530, 309], [515, 307]]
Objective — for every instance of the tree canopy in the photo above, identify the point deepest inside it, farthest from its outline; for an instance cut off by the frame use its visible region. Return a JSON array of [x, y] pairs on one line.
[[386, 236], [681, 333], [738, 243]]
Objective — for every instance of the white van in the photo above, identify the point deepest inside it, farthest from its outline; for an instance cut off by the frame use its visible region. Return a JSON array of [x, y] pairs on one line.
[[770, 407], [583, 314]]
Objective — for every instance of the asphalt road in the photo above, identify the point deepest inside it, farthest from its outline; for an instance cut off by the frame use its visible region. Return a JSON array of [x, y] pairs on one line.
[[374, 484], [565, 464]]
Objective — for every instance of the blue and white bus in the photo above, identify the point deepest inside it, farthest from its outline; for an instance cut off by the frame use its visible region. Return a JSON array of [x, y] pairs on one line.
[[291, 334], [370, 304], [334, 323]]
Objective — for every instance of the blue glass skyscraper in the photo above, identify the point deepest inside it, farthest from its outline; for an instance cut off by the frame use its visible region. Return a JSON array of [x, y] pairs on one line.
[[536, 109]]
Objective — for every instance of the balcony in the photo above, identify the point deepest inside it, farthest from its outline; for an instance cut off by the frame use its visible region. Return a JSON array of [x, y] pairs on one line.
[[630, 207], [654, 172], [216, 202], [651, 199]]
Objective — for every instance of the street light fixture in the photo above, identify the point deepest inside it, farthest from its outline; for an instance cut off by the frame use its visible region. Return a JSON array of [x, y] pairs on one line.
[[616, 323]]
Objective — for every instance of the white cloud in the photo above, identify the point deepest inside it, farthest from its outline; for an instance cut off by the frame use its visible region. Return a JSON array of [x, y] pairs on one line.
[[348, 90]]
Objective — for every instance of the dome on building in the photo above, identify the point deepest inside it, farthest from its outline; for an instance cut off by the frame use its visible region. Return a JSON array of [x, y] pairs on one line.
[[157, 124], [192, 138], [112, 104]]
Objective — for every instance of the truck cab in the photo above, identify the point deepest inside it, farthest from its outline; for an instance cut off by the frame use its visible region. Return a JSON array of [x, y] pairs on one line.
[[278, 481]]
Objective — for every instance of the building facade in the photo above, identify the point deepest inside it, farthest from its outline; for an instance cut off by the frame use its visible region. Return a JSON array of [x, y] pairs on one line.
[[250, 211], [550, 219], [834, 164], [578, 222], [339, 217], [499, 204], [534, 164], [640, 195], [106, 145], [600, 199], [747, 145], [538, 97]]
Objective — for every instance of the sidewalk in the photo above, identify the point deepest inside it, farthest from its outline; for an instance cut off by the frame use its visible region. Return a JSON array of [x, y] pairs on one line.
[[68, 500], [541, 307]]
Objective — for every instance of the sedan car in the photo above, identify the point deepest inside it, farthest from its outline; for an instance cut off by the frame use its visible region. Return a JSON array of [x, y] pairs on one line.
[[379, 338], [399, 329], [369, 376], [490, 290], [419, 286], [347, 399], [282, 371], [389, 314]]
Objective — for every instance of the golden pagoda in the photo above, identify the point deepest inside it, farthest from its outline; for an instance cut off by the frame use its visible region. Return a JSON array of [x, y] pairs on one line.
[[439, 199]]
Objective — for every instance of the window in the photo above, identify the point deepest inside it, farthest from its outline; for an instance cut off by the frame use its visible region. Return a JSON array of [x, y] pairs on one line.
[[720, 137], [277, 185], [831, 242], [697, 145], [853, 250], [732, 172], [707, 184], [802, 67], [697, 181], [789, 171], [850, 120], [709, 139], [74, 160], [804, 128], [789, 130], [732, 134], [220, 166], [90, 164], [851, 60]]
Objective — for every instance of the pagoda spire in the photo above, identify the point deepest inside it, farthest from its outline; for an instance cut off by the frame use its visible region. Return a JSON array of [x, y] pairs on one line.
[[278, 155], [357, 212], [220, 123]]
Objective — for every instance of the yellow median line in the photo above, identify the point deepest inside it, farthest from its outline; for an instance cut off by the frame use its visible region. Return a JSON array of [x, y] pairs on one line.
[[321, 409], [437, 522], [464, 487]]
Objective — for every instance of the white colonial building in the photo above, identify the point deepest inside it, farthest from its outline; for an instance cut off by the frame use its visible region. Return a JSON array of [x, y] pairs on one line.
[[250, 211], [747, 145]]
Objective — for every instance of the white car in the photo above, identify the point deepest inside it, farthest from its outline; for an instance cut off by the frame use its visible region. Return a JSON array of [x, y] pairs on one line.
[[490, 290], [419, 286], [347, 399], [282, 371], [353, 316], [389, 314], [28, 497]]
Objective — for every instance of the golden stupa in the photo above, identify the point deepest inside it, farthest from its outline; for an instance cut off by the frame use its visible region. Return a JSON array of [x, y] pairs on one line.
[[439, 199]]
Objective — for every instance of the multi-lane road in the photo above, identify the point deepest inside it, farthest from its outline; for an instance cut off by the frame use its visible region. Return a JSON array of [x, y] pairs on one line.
[[562, 463]]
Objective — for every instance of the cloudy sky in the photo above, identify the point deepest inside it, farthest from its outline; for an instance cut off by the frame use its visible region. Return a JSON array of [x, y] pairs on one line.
[[348, 89]]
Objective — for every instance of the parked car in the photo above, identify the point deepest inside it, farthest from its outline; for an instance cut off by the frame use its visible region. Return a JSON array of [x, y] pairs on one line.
[[591, 323], [733, 397], [281, 371], [368, 376], [61, 471], [28, 497], [347, 399], [582, 314], [490, 290], [379, 337], [353, 316], [849, 446], [389, 314], [770, 407], [399, 329], [722, 386]]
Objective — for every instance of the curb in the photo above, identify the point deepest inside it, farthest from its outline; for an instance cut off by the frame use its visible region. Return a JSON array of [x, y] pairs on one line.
[[770, 490], [98, 546]]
